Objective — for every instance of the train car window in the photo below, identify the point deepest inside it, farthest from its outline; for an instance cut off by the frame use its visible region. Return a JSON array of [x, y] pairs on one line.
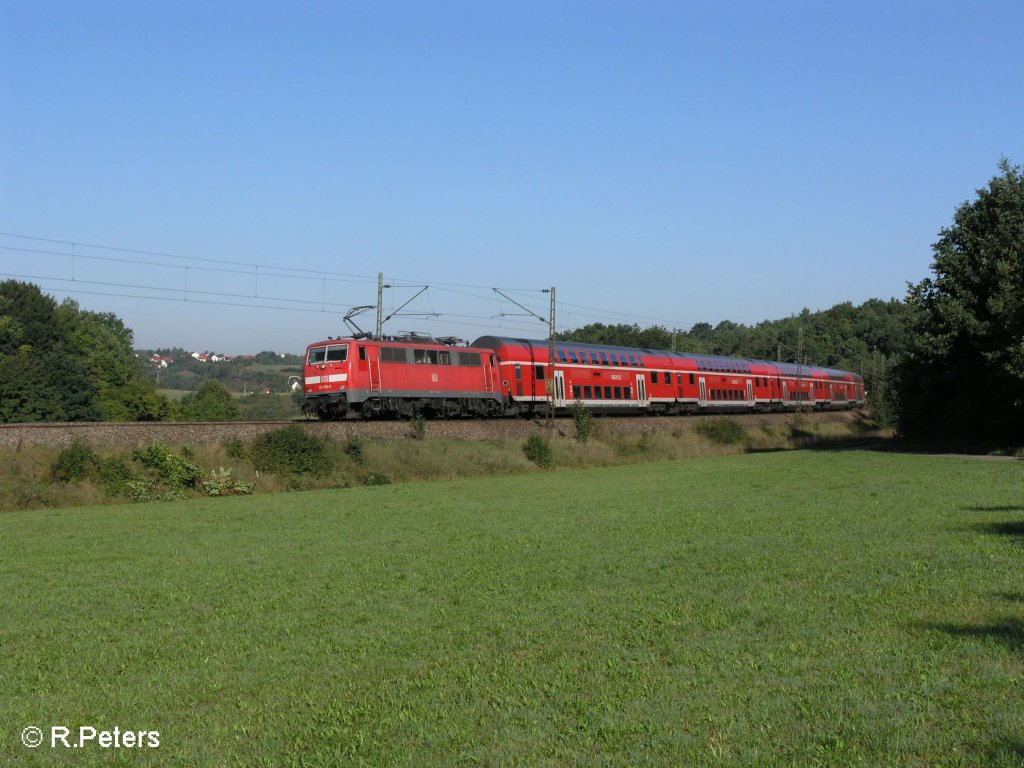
[[654, 377], [597, 393], [316, 355], [587, 394], [575, 391], [607, 393], [444, 357], [362, 353], [425, 356], [572, 356], [562, 356], [628, 391], [519, 372], [604, 359], [618, 393], [337, 354], [470, 359], [691, 379], [539, 371]]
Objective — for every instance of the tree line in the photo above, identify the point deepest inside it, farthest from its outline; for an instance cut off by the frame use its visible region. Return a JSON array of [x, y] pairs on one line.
[[946, 364], [59, 362]]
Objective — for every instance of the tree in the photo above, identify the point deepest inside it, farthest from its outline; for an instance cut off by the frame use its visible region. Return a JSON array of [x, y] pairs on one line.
[[212, 402], [65, 364], [962, 380]]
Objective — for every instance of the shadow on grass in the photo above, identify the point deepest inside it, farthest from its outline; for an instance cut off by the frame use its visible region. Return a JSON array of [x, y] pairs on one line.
[[1006, 751], [1011, 597], [1006, 508], [1012, 528], [1008, 631]]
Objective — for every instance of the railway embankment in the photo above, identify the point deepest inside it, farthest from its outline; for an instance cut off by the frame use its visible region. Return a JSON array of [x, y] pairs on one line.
[[134, 434]]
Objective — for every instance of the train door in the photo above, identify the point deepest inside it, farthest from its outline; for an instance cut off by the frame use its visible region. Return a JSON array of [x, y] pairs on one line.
[[814, 387], [560, 389], [373, 363], [750, 391], [641, 390], [703, 391], [488, 373], [785, 391]]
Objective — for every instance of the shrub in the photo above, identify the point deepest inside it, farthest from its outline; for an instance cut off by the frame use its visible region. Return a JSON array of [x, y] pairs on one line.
[[418, 427], [354, 448], [378, 478], [722, 431], [538, 450], [170, 467], [291, 451], [116, 478], [584, 421], [74, 463], [236, 449], [219, 483]]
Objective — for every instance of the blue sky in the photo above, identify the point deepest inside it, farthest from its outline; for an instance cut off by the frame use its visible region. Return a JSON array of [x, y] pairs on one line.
[[656, 162]]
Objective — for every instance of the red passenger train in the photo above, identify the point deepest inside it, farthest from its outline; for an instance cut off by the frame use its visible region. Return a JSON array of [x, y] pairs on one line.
[[497, 376]]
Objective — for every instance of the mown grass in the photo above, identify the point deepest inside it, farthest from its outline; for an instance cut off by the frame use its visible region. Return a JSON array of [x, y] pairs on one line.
[[798, 608]]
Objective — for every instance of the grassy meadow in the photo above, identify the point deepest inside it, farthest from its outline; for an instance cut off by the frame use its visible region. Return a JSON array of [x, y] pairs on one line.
[[800, 608]]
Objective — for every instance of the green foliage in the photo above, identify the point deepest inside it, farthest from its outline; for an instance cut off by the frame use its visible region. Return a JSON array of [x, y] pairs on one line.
[[418, 427], [219, 483], [272, 407], [291, 451], [212, 402], [170, 467], [74, 463], [379, 478], [354, 449], [963, 377], [116, 478], [583, 419], [236, 449], [538, 450], [722, 431], [66, 364]]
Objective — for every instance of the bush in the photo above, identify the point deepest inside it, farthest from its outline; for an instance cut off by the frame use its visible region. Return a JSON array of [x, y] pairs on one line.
[[173, 469], [291, 451], [354, 448], [74, 463], [538, 450], [418, 427], [236, 449], [116, 478], [584, 421], [219, 483], [379, 478], [722, 431]]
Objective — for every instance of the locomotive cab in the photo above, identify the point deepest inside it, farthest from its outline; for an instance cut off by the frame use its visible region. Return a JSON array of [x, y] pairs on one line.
[[327, 375]]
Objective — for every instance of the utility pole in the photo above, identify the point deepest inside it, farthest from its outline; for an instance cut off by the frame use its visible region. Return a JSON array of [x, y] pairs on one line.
[[551, 361], [380, 305]]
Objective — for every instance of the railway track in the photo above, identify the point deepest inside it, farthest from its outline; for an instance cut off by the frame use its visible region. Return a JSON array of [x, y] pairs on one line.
[[17, 436]]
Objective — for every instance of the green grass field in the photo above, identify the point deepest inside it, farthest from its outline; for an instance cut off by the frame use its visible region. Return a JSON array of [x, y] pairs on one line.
[[797, 608]]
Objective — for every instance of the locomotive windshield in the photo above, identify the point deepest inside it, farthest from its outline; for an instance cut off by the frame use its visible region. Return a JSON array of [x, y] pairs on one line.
[[332, 353]]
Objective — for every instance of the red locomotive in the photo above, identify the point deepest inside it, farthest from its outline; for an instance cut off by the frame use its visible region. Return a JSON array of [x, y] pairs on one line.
[[496, 376]]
